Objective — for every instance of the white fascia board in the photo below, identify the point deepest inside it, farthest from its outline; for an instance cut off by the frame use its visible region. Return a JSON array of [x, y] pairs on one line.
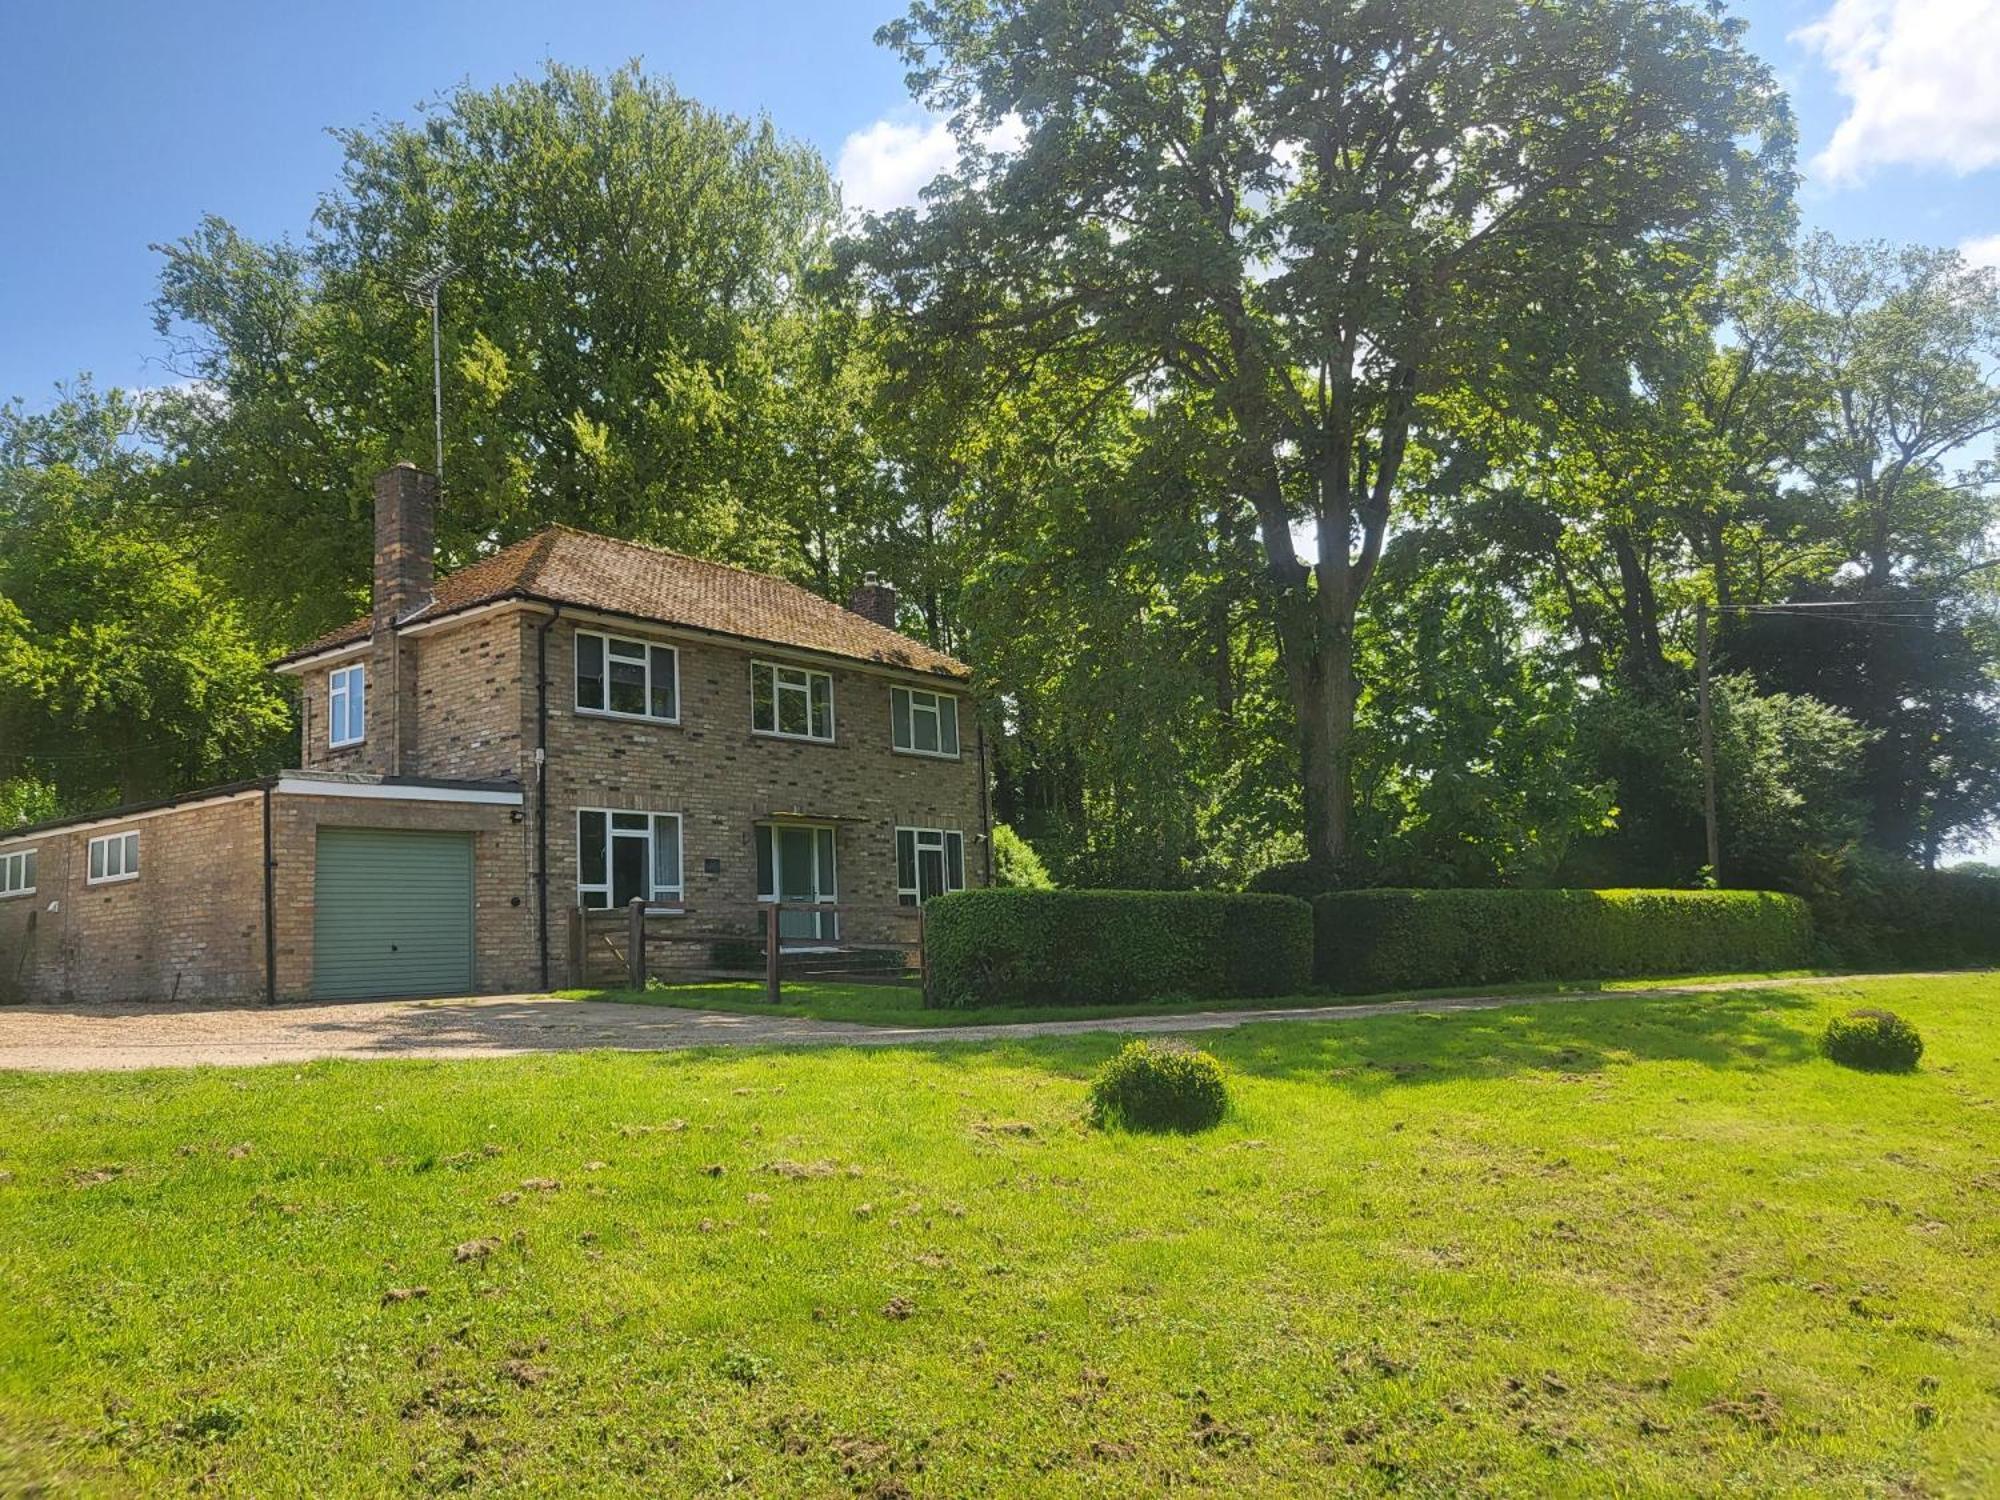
[[308, 786]]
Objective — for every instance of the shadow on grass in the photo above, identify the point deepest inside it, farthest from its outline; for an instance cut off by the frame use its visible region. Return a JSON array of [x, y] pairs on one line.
[[1748, 1030]]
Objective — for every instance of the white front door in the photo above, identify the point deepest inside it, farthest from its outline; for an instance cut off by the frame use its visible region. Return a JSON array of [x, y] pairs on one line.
[[796, 866]]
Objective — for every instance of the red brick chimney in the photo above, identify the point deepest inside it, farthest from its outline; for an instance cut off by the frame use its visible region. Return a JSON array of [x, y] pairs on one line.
[[405, 573], [874, 600], [405, 542]]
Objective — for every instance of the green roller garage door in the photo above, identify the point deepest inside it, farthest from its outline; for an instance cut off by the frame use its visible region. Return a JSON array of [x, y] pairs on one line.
[[392, 913]]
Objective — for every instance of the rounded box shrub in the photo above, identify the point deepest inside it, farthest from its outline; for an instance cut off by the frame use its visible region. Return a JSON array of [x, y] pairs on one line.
[[1877, 1041], [1164, 1086]]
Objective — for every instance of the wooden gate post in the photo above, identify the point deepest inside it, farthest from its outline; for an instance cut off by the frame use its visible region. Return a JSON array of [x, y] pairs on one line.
[[772, 985], [923, 959], [635, 943], [576, 959]]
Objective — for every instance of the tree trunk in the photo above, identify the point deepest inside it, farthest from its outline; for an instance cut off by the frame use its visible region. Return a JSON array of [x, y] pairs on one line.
[[1223, 665], [1320, 674], [1645, 657]]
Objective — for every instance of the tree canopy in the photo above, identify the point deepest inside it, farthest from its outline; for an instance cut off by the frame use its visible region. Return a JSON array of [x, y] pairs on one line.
[[1318, 425]]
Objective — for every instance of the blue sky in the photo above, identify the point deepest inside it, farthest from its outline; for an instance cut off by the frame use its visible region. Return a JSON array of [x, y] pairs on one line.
[[124, 122]]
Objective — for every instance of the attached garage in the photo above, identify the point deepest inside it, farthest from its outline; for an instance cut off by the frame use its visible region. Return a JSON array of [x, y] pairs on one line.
[[392, 913]]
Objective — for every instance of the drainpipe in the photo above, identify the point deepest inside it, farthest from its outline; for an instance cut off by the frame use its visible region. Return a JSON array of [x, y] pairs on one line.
[[985, 796], [542, 790], [270, 908]]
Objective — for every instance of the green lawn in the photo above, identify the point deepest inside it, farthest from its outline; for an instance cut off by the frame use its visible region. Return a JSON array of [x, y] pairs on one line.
[[902, 1005], [1612, 1246]]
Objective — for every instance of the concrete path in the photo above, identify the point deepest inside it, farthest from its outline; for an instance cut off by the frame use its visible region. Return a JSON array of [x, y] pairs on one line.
[[69, 1038]]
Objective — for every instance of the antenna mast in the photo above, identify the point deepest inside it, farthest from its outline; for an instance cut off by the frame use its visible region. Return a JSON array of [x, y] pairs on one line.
[[426, 291]]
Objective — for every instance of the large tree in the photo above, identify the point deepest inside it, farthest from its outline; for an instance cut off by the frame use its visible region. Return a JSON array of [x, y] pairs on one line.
[[1314, 216], [1902, 344], [126, 670], [627, 341]]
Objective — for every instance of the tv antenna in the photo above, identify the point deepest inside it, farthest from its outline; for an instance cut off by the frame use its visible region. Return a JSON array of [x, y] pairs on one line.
[[426, 291]]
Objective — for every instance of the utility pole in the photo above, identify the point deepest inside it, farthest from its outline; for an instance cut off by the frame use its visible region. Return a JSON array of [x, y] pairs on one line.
[[1707, 742]]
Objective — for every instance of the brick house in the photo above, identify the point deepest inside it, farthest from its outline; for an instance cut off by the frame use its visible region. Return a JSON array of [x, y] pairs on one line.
[[572, 721]]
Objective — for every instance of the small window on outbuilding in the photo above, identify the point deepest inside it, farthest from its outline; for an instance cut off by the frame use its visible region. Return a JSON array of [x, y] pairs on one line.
[[114, 856], [17, 873]]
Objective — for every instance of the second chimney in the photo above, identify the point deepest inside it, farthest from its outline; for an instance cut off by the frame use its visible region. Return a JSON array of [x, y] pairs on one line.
[[874, 600], [405, 542]]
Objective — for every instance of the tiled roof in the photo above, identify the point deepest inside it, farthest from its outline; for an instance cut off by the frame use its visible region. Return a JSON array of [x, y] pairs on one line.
[[566, 566]]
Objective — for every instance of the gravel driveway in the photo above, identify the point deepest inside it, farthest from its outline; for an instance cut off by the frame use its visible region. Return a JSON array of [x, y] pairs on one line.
[[68, 1038]]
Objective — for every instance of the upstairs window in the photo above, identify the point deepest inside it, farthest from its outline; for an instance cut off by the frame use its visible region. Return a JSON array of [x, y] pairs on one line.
[[114, 856], [632, 679], [929, 862], [17, 873], [923, 723], [620, 855], [346, 706], [794, 703]]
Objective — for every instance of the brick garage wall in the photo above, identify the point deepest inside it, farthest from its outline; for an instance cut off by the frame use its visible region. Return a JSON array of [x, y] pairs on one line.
[[503, 919], [722, 780], [191, 926]]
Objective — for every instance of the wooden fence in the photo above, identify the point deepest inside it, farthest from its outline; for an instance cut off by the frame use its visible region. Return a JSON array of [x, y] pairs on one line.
[[627, 946]]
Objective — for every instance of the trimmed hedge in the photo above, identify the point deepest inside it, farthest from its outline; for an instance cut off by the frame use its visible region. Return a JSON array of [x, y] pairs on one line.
[[1888, 915], [1370, 941], [1026, 947]]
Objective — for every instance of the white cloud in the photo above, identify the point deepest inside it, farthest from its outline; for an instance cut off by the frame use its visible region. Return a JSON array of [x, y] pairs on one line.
[[888, 165], [1984, 251], [1919, 77]]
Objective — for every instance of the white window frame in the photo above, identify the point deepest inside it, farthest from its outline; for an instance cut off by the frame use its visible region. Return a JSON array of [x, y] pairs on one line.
[[645, 649], [942, 838], [935, 708], [347, 686], [668, 896], [127, 844], [14, 877], [779, 671]]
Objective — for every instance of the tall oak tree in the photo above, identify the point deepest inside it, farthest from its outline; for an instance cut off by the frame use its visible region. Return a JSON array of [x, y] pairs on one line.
[[1317, 215]]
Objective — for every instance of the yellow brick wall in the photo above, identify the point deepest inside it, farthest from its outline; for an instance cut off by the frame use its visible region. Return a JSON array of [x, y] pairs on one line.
[[723, 779], [189, 927], [476, 717], [194, 920]]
